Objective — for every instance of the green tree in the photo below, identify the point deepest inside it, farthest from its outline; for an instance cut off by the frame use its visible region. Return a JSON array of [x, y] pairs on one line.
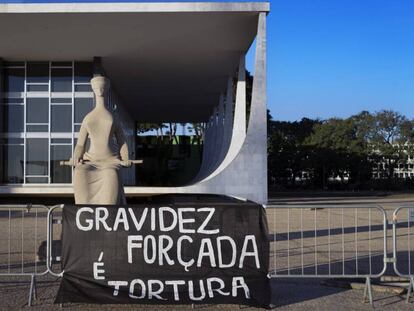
[[407, 135], [337, 150], [338, 147], [287, 154], [388, 138]]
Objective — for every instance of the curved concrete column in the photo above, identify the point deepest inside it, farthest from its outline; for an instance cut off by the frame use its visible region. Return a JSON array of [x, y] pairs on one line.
[[216, 141], [2, 164], [208, 147], [220, 132], [246, 175], [224, 129], [206, 141], [236, 131], [207, 144], [228, 124], [222, 144], [207, 158], [239, 129]]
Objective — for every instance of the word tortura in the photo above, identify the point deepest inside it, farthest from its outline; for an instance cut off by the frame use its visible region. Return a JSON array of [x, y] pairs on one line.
[[208, 288], [163, 249]]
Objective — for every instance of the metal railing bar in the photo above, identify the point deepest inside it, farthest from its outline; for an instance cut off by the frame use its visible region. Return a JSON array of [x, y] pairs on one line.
[[356, 240], [343, 244], [325, 269], [329, 240], [322, 206], [369, 241], [35, 243], [19, 259], [50, 240], [274, 238], [22, 240], [301, 233], [9, 239], [315, 242], [409, 245], [288, 240], [395, 235]]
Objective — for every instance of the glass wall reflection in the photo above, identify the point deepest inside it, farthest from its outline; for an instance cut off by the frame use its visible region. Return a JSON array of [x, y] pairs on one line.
[[41, 110]]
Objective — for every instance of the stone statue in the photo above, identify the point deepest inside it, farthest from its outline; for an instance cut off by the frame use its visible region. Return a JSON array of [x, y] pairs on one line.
[[97, 179]]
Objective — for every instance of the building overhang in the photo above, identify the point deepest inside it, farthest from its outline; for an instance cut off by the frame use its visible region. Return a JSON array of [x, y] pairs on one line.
[[168, 62]]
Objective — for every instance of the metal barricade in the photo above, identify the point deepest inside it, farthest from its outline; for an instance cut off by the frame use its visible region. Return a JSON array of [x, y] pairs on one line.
[[403, 244], [326, 241], [307, 241], [24, 242], [54, 245]]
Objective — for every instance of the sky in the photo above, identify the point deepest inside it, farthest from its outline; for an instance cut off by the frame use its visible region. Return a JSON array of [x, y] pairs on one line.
[[334, 58]]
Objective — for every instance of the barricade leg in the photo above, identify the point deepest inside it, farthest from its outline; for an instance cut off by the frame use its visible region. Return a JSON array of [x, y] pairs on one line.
[[368, 291], [32, 292], [410, 289], [35, 288]]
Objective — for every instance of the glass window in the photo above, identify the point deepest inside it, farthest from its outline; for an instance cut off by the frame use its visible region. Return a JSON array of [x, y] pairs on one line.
[[38, 88], [14, 141], [36, 156], [61, 118], [13, 100], [37, 128], [61, 141], [37, 110], [14, 80], [82, 107], [13, 64], [62, 80], [37, 180], [83, 88], [83, 71], [64, 100], [60, 173], [37, 72], [62, 64], [13, 118], [13, 159]]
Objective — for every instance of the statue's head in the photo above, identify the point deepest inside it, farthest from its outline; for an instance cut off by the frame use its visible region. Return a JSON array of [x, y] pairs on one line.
[[100, 85]]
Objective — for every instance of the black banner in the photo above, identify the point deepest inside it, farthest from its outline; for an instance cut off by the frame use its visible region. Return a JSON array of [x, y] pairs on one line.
[[163, 254]]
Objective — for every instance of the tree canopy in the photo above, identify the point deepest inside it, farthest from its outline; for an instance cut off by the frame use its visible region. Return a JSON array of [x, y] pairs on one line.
[[312, 152]]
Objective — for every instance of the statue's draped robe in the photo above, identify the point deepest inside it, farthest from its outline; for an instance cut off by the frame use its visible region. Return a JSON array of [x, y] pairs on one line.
[[98, 180]]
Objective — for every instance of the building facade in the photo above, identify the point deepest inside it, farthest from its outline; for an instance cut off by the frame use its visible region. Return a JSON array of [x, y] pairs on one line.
[[167, 62], [42, 108]]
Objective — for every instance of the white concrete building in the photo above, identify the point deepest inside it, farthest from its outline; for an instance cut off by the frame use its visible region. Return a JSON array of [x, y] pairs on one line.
[[167, 62]]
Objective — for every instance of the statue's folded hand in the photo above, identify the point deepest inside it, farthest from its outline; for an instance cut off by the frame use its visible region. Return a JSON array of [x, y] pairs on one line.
[[78, 161], [126, 163]]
